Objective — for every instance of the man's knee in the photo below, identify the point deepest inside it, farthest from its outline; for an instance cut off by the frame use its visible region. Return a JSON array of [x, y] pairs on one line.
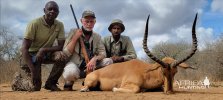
[[71, 72], [106, 62], [59, 56]]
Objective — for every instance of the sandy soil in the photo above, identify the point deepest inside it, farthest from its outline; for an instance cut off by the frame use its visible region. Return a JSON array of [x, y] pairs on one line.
[[212, 93]]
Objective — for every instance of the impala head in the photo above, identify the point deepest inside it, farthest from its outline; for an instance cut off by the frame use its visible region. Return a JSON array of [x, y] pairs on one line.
[[169, 65]]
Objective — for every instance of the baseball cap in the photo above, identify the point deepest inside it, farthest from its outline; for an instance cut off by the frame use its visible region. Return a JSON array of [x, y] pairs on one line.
[[88, 13]]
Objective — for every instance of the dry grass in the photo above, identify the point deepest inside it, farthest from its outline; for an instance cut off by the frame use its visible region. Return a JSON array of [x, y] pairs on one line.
[[8, 69]]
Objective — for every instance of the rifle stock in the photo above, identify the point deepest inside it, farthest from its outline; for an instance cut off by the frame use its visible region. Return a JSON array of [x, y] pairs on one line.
[[83, 49]]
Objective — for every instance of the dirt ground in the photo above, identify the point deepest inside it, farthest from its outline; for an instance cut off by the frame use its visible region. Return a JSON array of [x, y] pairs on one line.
[[212, 93]]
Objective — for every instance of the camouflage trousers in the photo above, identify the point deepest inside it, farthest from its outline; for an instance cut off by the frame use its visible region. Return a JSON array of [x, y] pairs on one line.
[[23, 82]]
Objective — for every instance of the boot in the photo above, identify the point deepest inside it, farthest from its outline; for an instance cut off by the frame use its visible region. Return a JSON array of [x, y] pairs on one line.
[[52, 87], [57, 70], [68, 86]]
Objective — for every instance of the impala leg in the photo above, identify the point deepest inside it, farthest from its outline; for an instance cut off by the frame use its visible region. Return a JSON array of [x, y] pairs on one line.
[[90, 81], [168, 85], [129, 88]]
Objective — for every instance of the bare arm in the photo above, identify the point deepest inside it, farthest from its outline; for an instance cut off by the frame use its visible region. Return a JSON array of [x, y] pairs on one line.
[[25, 54], [42, 51], [101, 54], [117, 59], [71, 45]]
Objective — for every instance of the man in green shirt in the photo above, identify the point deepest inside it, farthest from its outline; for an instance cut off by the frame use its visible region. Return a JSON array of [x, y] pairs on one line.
[[37, 47], [118, 47]]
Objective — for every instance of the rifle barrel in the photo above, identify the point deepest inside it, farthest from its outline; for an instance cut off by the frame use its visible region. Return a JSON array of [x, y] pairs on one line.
[[81, 41], [71, 7]]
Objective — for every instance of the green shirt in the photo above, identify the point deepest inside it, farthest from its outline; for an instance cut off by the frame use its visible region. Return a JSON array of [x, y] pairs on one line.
[[122, 48], [42, 35]]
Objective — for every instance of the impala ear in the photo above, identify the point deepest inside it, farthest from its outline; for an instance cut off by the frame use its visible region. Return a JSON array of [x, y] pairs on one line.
[[185, 66]]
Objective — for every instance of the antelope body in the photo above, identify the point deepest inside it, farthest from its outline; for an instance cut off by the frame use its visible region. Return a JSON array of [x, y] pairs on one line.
[[134, 75], [130, 76]]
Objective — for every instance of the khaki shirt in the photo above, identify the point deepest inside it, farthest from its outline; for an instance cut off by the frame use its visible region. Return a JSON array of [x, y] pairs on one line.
[[42, 35], [125, 44], [98, 48]]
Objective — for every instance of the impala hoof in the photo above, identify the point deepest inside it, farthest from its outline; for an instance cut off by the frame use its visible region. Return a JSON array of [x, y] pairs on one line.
[[84, 89], [114, 89], [169, 92]]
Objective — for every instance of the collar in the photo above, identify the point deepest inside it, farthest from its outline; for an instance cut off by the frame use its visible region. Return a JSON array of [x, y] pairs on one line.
[[44, 22], [113, 40]]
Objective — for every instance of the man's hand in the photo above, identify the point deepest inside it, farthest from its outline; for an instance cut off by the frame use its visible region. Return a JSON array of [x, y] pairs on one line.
[[92, 64], [117, 59], [77, 35], [40, 55]]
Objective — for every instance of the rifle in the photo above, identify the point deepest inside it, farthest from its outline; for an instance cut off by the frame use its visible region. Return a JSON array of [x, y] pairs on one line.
[[83, 49]]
